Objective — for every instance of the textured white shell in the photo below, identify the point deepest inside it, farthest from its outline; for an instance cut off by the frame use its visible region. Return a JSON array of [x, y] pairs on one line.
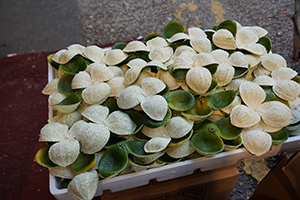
[[245, 36], [94, 53], [54, 132], [96, 94], [51, 87], [156, 107], [154, 132], [199, 79], [201, 44], [93, 138], [287, 90], [178, 127], [259, 31], [256, 49], [181, 150], [195, 32], [238, 59], [100, 72], [65, 152], [204, 59], [223, 75], [134, 46], [183, 61], [162, 54], [63, 172], [156, 144], [178, 36], [66, 118], [252, 94], [256, 142], [55, 98], [152, 86], [276, 114], [81, 80], [96, 113], [264, 80], [168, 79], [84, 186], [114, 57], [120, 123], [63, 56], [243, 117], [156, 42], [282, 74], [130, 97], [224, 39], [117, 85], [273, 61]]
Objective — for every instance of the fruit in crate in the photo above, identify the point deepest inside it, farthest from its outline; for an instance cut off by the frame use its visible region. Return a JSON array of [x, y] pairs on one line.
[[178, 96]]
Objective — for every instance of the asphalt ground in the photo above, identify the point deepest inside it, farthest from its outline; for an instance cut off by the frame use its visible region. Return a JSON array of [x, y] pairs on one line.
[[39, 25], [34, 26]]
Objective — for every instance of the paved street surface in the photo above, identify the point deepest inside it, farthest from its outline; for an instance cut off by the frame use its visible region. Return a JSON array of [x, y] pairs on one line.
[[37, 26], [45, 26]]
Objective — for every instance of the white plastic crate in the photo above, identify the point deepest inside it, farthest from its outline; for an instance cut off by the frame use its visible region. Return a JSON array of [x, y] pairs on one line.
[[171, 171]]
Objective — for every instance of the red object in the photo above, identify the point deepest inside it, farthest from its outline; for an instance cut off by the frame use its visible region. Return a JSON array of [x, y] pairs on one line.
[[23, 113]]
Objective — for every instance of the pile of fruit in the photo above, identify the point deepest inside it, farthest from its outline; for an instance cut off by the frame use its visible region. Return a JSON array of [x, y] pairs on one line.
[[171, 97]]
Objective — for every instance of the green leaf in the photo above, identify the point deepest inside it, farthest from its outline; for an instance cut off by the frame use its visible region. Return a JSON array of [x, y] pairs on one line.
[[42, 157], [279, 136], [140, 136], [232, 144], [230, 25], [155, 124], [136, 163], [111, 103], [75, 65], [64, 183], [212, 68], [65, 84], [136, 148], [114, 139], [271, 96], [228, 131], [54, 64], [139, 54], [165, 92], [239, 72], [113, 161], [178, 141], [137, 117], [151, 36], [221, 99], [172, 28], [168, 159], [297, 79], [207, 141], [199, 125], [179, 43], [212, 86], [72, 99], [178, 74], [181, 100], [201, 111], [214, 27], [209, 34], [84, 162], [119, 45], [266, 42]]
